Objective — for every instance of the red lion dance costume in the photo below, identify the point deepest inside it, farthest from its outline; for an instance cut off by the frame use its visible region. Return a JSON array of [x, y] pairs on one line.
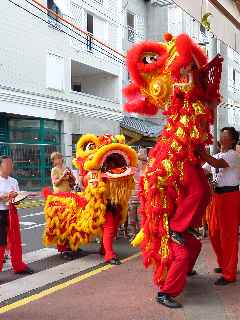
[[74, 219], [173, 77]]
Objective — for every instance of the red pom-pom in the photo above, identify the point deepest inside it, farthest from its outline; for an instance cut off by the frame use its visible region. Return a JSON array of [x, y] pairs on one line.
[[46, 191], [167, 36]]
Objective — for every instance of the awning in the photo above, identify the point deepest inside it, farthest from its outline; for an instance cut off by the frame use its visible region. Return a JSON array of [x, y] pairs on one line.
[[63, 8], [144, 127]]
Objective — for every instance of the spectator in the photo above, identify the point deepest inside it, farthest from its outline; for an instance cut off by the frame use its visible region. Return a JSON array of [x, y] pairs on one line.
[[63, 179], [134, 202], [238, 147]]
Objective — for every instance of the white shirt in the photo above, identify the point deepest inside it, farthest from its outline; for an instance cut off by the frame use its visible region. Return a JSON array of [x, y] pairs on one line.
[[7, 185], [229, 176]]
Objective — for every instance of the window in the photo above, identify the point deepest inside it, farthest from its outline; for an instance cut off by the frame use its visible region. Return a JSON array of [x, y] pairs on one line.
[[234, 76], [55, 72], [90, 30], [202, 29], [97, 27], [90, 23], [52, 19], [130, 25], [77, 87]]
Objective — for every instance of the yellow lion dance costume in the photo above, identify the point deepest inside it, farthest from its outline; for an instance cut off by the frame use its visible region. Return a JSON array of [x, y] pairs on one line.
[[107, 165]]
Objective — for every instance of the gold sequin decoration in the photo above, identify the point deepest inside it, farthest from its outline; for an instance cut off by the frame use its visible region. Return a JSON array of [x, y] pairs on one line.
[[145, 185], [180, 132], [198, 108], [194, 133], [164, 250], [168, 166], [161, 182], [186, 87], [168, 128], [176, 146], [165, 204], [180, 168], [184, 120]]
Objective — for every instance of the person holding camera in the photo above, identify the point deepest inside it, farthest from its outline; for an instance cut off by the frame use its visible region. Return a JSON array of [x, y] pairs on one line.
[[63, 179]]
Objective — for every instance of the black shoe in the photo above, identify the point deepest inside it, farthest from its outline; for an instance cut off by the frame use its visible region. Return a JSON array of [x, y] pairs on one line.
[[218, 270], [177, 237], [25, 271], [222, 282], [195, 233], [167, 301], [114, 262], [192, 273], [68, 255]]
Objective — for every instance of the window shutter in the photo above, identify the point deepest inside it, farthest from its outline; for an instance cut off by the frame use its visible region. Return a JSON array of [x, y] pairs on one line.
[[80, 19], [139, 28]]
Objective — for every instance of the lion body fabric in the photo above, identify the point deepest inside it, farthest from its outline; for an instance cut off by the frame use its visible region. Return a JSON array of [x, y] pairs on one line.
[[173, 78], [74, 219]]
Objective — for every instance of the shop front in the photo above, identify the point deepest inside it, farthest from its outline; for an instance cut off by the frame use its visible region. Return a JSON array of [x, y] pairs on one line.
[[30, 141]]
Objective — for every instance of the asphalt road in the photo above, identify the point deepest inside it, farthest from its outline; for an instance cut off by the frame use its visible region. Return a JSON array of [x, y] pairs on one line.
[[32, 226], [40, 258]]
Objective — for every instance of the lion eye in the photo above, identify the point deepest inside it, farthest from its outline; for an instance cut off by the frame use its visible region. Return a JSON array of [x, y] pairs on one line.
[[150, 59], [89, 146]]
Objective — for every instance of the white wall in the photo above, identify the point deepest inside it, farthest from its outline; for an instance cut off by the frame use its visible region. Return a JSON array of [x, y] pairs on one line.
[[220, 25], [101, 85]]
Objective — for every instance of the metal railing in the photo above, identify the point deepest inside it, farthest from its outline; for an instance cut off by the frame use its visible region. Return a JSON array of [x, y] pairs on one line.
[[31, 163]]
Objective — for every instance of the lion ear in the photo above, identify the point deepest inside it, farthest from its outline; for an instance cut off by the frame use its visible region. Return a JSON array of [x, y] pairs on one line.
[[120, 138]]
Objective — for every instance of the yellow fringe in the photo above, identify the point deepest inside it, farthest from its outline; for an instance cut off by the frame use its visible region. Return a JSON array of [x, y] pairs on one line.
[[74, 226], [138, 239]]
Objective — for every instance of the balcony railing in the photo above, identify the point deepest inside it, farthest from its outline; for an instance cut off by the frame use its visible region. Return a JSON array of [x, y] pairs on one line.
[[131, 34]]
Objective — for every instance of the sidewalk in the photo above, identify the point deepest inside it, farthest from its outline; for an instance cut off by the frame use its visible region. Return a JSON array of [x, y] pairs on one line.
[[126, 292]]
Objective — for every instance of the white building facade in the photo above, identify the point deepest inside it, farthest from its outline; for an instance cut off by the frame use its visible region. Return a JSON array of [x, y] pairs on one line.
[[56, 81]]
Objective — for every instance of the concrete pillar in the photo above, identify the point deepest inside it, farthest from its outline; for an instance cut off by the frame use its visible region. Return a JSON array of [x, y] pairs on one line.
[[67, 140]]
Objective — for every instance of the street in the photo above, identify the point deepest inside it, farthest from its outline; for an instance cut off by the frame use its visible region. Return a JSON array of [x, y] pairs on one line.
[[43, 259], [85, 289], [32, 225]]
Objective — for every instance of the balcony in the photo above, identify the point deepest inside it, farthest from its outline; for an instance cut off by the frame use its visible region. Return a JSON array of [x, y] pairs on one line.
[[93, 81]]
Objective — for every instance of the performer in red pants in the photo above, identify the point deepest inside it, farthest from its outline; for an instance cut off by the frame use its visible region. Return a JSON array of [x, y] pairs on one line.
[[183, 263], [185, 249], [110, 228], [225, 206], [195, 198], [9, 223]]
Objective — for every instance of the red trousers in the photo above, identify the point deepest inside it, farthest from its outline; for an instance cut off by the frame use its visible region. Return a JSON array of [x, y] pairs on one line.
[[14, 242], [183, 262], [195, 198], [224, 214], [109, 232]]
